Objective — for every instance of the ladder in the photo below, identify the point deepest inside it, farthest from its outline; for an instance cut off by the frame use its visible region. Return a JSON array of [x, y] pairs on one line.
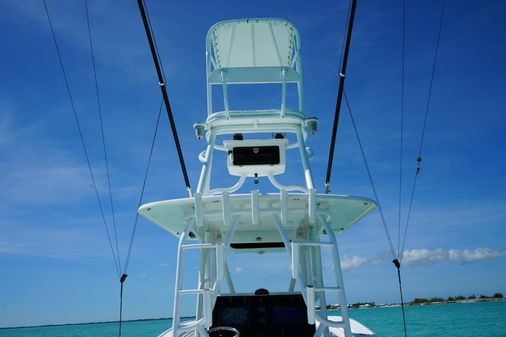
[[211, 273], [307, 271]]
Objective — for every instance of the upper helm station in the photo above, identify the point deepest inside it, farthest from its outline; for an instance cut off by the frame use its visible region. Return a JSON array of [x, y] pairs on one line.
[[259, 52]]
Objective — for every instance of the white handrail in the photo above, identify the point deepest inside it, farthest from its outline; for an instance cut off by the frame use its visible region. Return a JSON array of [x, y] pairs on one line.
[[230, 189], [280, 186]]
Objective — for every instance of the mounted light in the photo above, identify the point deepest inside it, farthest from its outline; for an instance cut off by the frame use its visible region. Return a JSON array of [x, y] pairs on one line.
[[200, 129], [312, 125]]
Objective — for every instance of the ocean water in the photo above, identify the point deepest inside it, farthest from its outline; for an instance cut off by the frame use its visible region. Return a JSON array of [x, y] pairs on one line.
[[480, 319]]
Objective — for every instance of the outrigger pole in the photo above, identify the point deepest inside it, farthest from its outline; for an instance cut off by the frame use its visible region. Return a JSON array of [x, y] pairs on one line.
[[161, 82], [342, 77]]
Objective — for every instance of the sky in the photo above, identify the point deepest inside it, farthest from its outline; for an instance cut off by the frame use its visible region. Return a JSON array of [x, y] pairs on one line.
[[55, 262]]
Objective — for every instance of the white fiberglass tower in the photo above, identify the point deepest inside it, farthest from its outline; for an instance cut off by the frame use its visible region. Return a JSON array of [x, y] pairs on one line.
[[295, 219]]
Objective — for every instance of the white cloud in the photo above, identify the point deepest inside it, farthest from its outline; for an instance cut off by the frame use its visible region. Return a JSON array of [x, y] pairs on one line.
[[423, 256], [354, 262], [427, 256], [478, 254]]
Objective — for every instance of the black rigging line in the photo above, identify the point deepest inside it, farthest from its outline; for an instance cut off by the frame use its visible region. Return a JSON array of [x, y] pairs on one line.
[[396, 261], [387, 232], [127, 261], [122, 276], [163, 88], [403, 69], [99, 108], [342, 77], [398, 266], [121, 280], [60, 59], [408, 217], [419, 159]]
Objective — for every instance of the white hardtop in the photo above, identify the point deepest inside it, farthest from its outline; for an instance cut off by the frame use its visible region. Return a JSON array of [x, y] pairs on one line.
[[253, 43], [252, 51], [257, 215]]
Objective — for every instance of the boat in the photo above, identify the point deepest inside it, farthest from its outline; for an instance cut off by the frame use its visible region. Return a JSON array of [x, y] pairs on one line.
[[218, 221]]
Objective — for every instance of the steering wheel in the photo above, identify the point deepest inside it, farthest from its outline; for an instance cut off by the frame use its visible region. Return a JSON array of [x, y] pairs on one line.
[[223, 331]]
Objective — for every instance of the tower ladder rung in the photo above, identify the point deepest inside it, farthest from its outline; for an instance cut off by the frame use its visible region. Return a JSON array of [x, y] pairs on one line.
[[314, 244], [336, 289], [190, 291], [199, 246]]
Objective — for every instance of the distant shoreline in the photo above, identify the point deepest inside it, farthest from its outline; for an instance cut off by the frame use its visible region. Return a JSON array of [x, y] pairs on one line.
[[462, 301], [497, 297], [361, 305], [84, 323]]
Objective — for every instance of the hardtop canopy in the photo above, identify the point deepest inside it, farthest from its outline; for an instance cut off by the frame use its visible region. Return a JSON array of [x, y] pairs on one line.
[[253, 43]]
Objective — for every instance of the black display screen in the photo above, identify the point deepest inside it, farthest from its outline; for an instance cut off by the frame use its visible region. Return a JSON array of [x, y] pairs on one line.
[[234, 316], [256, 155], [288, 315]]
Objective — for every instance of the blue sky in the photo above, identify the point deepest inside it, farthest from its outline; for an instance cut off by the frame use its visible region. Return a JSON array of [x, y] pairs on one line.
[[55, 262]]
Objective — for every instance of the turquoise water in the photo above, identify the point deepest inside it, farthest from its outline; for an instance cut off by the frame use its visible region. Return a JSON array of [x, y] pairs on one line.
[[487, 319], [478, 319]]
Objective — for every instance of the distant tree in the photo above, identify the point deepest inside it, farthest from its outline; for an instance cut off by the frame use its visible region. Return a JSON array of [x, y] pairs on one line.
[[483, 296], [451, 299], [472, 297], [497, 295], [437, 299], [460, 298], [420, 301]]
